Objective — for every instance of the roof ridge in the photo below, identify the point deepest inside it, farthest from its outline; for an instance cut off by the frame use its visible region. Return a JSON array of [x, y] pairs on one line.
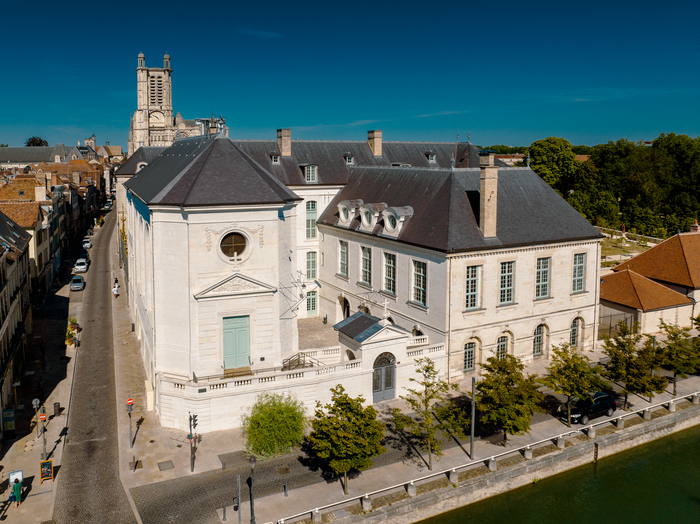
[[685, 259], [199, 173]]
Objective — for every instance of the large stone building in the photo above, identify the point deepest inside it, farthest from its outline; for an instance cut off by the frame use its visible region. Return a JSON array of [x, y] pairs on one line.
[[153, 123]]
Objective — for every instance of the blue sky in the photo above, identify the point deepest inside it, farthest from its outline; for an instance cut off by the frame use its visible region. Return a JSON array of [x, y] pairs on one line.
[[506, 72]]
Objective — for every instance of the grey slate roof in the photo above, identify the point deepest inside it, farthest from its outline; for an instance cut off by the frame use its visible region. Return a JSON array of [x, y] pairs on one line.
[[446, 207], [207, 171], [13, 237], [359, 326], [329, 156], [142, 154], [36, 155]]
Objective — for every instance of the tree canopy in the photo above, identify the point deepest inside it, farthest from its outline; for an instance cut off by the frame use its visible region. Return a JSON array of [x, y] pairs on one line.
[[274, 425], [36, 141], [553, 160], [681, 354]]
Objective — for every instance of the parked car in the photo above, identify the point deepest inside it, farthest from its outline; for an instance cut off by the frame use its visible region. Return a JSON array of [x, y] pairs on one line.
[[87, 243], [584, 409], [84, 254], [108, 204], [81, 266], [77, 284]]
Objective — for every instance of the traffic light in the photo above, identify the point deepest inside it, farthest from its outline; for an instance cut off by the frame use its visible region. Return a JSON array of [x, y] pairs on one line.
[[194, 421]]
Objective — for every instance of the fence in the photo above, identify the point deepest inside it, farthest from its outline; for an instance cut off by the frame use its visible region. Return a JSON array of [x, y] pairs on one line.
[[607, 324], [492, 461], [614, 233]]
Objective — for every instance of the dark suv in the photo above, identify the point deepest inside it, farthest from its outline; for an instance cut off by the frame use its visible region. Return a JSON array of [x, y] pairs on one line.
[[584, 409]]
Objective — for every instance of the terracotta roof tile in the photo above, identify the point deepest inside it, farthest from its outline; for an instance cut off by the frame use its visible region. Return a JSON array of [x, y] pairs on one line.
[[19, 189], [26, 214], [676, 261], [633, 290]]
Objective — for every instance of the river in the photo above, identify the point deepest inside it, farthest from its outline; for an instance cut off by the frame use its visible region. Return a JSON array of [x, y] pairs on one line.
[[654, 483]]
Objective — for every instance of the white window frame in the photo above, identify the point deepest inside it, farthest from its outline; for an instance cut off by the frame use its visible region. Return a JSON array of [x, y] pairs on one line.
[[575, 332], [343, 250], [538, 341], [275, 160], [350, 160], [417, 280], [311, 174], [431, 158], [389, 280], [469, 356], [507, 283], [311, 215], [471, 300], [312, 296], [578, 280], [542, 277], [366, 265], [502, 347], [311, 266]]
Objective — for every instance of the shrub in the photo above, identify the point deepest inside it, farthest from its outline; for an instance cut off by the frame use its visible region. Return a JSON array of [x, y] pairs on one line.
[[274, 425]]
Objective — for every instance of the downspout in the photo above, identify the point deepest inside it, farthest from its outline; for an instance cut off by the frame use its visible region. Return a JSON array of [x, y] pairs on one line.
[[449, 313], [596, 305]]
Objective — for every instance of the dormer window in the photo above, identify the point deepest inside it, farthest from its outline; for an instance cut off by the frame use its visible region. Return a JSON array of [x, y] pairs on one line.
[[21, 192], [275, 160], [391, 222], [430, 157], [367, 218], [345, 214], [400, 164], [349, 160], [395, 219], [310, 172], [347, 211], [369, 215]]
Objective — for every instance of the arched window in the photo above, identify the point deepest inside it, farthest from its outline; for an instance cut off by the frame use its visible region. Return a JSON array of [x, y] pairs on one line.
[[573, 339], [502, 347], [311, 219], [469, 356], [538, 341]]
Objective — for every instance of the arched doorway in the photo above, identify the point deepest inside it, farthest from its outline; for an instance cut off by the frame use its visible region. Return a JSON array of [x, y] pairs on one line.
[[344, 307], [384, 378]]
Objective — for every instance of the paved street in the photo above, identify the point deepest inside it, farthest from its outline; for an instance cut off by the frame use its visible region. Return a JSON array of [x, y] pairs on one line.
[[89, 489]]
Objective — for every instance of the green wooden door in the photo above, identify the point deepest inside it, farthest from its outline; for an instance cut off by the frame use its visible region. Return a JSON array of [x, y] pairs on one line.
[[236, 342]]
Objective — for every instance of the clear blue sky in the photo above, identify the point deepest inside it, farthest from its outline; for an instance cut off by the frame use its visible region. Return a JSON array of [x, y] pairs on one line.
[[515, 72]]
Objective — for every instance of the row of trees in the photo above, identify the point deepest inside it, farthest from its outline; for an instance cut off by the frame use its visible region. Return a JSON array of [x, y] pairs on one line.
[[651, 188], [347, 435]]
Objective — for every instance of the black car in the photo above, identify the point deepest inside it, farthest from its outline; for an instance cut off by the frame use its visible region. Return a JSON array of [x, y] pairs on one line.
[[584, 409]]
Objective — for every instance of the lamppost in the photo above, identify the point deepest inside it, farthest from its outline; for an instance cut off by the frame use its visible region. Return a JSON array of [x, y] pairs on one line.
[[251, 463]]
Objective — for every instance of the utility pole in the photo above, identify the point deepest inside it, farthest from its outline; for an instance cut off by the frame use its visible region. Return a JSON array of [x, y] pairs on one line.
[[471, 442], [191, 436]]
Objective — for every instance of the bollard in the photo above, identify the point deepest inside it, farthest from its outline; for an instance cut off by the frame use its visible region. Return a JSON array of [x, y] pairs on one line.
[[695, 399], [366, 503], [527, 453], [223, 465], [493, 464], [453, 476], [285, 490], [672, 406], [561, 442], [133, 461], [411, 489], [647, 414], [56, 409], [620, 423], [224, 519], [591, 432], [316, 517]]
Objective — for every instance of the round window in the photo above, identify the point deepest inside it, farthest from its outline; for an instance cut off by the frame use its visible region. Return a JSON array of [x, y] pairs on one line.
[[233, 243], [345, 213], [368, 218], [392, 222]]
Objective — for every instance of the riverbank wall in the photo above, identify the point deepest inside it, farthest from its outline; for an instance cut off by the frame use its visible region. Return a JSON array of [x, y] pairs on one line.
[[473, 485]]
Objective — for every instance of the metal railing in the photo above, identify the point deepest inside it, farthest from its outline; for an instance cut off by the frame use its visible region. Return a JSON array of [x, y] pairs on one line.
[[695, 396]]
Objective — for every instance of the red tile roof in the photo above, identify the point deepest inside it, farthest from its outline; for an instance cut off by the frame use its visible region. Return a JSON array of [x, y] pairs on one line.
[[25, 214], [633, 290]]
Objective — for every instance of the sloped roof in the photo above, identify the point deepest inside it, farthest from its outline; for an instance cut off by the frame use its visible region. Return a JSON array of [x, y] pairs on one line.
[[362, 326], [19, 189], [207, 171], [25, 214], [34, 155], [633, 290], [446, 207], [13, 237], [675, 260], [142, 154]]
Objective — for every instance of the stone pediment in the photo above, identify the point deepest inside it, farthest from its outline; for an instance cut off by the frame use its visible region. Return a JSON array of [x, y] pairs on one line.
[[390, 332], [235, 285]]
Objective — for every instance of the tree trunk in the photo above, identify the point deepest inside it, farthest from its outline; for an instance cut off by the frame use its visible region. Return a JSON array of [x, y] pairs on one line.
[[674, 383], [345, 482], [430, 457], [624, 405], [505, 438], [568, 409]]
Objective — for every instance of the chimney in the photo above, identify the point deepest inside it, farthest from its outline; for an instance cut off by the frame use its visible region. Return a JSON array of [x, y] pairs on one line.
[[374, 138], [488, 190], [695, 228], [54, 179], [78, 143], [284, 141], [76, 177], [39, 193]]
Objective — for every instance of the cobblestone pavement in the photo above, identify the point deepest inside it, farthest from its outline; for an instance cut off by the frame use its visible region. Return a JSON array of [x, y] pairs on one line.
[[314, 334], [89, 488]]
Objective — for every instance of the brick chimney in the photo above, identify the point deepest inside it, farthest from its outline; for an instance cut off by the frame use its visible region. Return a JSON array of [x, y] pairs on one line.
[[488, 190], [39, 193], [695, 228], [284, 141], [374, 139]]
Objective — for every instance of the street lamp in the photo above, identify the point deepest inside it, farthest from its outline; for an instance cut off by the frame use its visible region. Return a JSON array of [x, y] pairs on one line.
[[251, 463]]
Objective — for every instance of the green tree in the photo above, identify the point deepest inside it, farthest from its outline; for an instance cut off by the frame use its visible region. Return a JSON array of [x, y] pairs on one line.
[[631, 362], [571, 374], [506, 397], [434, 412], [553, 160], [3, 145], [681, 355], [347, 435], [274, 425], [36, 141]]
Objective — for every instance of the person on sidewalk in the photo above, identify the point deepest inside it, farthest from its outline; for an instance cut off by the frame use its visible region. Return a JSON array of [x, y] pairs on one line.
[[116, 290], [17, 492]]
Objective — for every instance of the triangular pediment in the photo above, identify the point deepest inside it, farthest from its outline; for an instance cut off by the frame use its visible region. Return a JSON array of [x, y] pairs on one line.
[[234, 285], [390, 332]]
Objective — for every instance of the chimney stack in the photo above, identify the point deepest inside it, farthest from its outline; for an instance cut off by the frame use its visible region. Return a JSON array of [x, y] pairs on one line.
[[39, 193], [284, 141], [488, 190], [374, 139], [695, 228]]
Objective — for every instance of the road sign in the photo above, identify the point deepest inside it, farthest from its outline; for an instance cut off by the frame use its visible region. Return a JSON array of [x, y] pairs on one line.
[[129, 401], [36, 403], [42, 416]]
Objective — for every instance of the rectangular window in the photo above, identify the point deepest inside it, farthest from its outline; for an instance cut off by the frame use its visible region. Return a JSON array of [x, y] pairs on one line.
[[311, 219], [506, 295], [311, 303], [431, 158], [469, 352], [366, 276], [343, 269], [579, 272], [472, 287], [310, 172], [502, 348], [349, 160], [542, 278], [390, 273], [420, 283], [311, 265], [275, 160]]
